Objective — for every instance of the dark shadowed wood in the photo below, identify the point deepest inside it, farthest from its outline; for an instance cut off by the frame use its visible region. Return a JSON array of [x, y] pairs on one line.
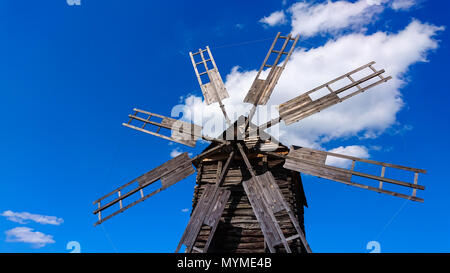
[[239, 230], [209, 210]]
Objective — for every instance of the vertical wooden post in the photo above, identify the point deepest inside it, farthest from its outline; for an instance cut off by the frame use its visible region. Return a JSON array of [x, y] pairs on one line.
[[100, 212], [120, 201], [416, 176], [383, 169]]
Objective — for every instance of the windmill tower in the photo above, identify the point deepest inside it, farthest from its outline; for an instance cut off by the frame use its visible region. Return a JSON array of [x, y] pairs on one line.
[[249, 195]]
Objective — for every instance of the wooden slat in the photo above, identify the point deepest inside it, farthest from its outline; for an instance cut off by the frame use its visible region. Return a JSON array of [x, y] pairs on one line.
[[383, 170], [270, 192]]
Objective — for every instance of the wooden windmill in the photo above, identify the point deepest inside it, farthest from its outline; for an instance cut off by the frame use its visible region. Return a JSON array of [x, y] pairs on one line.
[[247, 175]]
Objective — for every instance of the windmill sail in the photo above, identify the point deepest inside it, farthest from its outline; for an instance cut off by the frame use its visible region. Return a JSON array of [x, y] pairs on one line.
[[181, 132], [304, 105], [213, 89], [207, 212], [261, 89], [168, 173], [314, 162], [312, 102], [266, 200]]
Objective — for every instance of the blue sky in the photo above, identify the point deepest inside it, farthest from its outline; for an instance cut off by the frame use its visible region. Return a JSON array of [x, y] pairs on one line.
[[70, 75]]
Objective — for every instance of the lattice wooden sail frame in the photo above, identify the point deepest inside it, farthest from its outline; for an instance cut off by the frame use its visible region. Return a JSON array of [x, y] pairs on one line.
[[314, 162], [304, 105], [261, 89], [214, 90]]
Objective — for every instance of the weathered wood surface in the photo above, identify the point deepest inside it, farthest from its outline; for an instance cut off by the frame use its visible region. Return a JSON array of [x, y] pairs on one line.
[[238, 227], [214, 90], [313, 162], [261, 89], [267, 200], [208, 212], [272, 232], [169, 173]]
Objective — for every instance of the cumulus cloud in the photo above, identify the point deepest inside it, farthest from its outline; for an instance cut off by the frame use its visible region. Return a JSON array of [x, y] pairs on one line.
[[25, 217], [365, 116], [353, 150], [308, 19], [27, 235], [275, 18], [331, 17], [175, 152], [402, 4], [185, 210]]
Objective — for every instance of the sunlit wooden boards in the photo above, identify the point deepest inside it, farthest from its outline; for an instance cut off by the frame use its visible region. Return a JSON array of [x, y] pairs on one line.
[[207, 212], [261, 89], [212, 86], [169, 173], [310, 102], [181, 132], [266, 200], [309, 156], [214, 90], [314, 162]]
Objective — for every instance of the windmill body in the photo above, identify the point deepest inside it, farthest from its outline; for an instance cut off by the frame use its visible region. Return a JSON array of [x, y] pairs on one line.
[[249, 195], [238, 230]]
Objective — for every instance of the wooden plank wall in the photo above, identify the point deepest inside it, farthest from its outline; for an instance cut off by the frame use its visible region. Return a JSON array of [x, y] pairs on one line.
[[238, 230]]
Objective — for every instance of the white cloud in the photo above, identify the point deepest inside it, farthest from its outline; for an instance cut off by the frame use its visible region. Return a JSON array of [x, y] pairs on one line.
[[308, 19], [354, 150], [25, 217], [366, 115], [185, 210], [175, 152], [27, 235], [402, 4], [275, 18]]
